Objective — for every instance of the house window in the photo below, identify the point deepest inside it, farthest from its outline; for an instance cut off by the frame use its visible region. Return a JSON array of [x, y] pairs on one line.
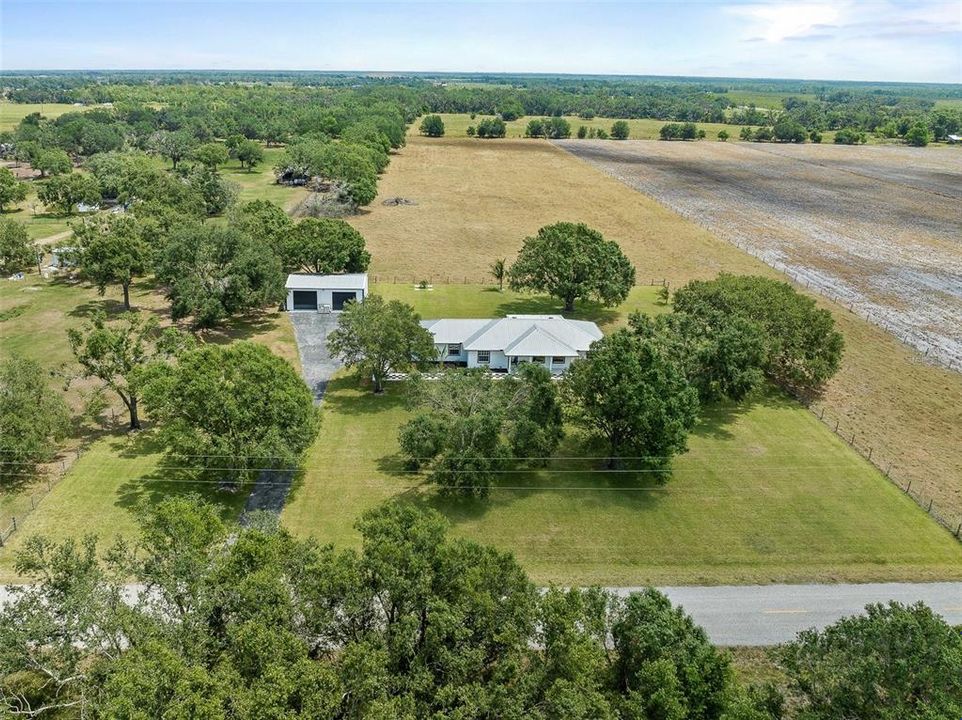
[[538, 359], [454, 348], [558, 360], [484, 356]]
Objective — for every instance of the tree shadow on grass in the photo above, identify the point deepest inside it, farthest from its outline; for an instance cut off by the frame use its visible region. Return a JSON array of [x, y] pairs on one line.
[[715, 418], [340, 399], [242, 328], [578, 471], [109, 306], [170, 478]]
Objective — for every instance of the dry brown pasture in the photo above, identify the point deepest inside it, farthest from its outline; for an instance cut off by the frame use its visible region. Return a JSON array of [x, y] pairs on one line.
[[477, 201], [879, 227]]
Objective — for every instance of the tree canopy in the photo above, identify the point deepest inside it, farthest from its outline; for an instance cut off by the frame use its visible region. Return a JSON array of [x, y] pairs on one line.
[[33, 419], [802, 348], [895, 662], [232, 409], [432, 126], [629, 393], [112, 250], [722, 356], [12, 190], [65, 192], [16, 249], [470, 425], [119, 353], [620, 130], [213, 273], [378, 336], [325, 246], [250, 622], [573, 262]]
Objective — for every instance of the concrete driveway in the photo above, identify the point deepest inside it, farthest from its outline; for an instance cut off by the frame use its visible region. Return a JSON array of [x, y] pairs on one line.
[[311, 330]]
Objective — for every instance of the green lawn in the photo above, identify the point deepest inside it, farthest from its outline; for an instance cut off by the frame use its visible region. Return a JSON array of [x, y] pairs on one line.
[[456, 125], [766, 492], [12, 113], [103, 490], [34, 316], [259, 184], [480, 301]]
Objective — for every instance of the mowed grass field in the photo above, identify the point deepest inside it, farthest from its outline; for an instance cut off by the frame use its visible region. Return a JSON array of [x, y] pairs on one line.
[[456, 126], [477, 201], [766, 493], [12, 113]]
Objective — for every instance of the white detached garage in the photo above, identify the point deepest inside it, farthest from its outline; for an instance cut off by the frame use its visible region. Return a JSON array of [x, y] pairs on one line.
[[324, 293]]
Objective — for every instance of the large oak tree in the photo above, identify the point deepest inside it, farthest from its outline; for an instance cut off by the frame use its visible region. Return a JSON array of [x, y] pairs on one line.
[[573, 262], [629, 393]]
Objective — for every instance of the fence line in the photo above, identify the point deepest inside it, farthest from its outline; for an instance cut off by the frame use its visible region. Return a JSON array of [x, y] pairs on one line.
[[397, 279], [927, 351], [42, 488], [945, 518], [950, 521]]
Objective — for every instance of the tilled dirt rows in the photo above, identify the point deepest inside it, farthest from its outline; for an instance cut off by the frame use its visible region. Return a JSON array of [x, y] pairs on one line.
[[875, 227]]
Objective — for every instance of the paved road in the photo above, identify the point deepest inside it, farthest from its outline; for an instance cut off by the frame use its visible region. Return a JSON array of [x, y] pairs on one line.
[[772, 614], [311, 330]]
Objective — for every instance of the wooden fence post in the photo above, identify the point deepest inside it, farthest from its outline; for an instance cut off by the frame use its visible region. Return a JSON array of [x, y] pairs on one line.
[[930, 507], [33, 505], [870, 453], [14, 518]]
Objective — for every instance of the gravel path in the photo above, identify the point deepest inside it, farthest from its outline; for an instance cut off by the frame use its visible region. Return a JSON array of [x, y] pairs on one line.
[[311, 331]]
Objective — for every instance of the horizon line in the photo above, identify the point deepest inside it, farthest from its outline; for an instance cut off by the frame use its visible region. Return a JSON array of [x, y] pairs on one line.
[[503, 73]]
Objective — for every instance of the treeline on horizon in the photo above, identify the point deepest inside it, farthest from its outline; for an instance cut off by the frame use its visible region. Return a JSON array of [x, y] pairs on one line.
[[815, 105]]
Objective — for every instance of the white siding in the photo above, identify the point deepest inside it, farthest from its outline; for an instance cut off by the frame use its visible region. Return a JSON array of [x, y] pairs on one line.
[[325, 297]]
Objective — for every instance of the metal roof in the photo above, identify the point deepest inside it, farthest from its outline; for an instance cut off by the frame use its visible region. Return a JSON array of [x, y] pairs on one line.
[[522, 335], [347, 281]]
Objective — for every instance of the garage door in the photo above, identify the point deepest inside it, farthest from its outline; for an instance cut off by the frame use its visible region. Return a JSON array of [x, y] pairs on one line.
[[305, 300], [339, 298]]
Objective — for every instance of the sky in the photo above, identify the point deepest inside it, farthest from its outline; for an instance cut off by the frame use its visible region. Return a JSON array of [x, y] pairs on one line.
[[882, 40]]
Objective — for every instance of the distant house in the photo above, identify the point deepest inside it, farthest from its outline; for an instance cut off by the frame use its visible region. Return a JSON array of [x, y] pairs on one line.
[[324, 293], [504, 343]]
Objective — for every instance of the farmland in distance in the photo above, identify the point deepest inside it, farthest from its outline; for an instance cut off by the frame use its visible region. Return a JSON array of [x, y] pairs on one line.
[[877, 228]]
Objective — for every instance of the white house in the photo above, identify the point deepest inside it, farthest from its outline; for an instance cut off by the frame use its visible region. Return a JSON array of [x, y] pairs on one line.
[[324, 293], [502, 344]]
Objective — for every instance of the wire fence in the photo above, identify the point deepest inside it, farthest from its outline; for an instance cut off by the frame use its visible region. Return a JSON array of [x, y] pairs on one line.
[[26, 502], [948, 519], [430, 280]]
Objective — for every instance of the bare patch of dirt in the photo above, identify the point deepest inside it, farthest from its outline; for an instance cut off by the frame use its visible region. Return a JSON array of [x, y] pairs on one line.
[[876, 228]]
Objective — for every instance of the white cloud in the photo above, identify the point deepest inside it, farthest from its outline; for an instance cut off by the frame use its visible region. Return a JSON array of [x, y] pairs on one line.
[[775, 22]]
